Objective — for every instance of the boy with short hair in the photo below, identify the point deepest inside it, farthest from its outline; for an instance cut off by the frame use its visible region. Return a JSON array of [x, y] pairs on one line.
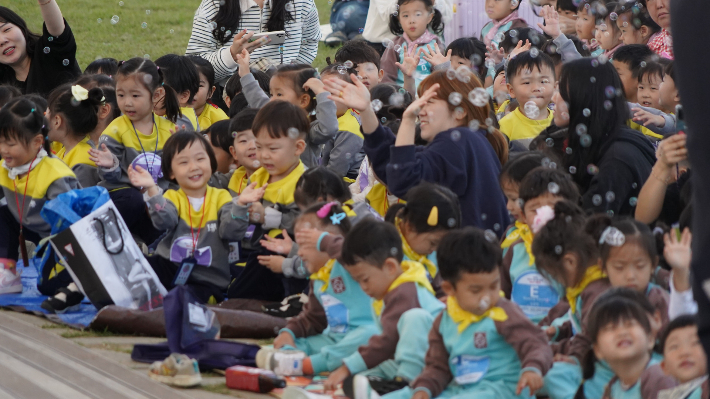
[[627, 61], [669, 96], [481, 344], [531, 81], [243, 150], [365, 60], [684, 359]]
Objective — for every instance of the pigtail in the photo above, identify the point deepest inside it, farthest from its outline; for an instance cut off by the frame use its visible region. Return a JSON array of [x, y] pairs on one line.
[[394, 211], [331, 213], [437, 23], [394, 25], [171, 102], [597, 224]]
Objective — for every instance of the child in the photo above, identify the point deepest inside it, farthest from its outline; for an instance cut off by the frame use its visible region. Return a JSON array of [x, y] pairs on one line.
[[203, 212], [266, 205], [365, 60], [510, 177], [607, 33], [411, 23], [404, 306], [567, 10], [650, 78], [627, 61], [29, 178], [102, 66], [208, 112], [220, 138], [233, 87], [585, 26], [465, 51], [684, 359], [337, 318], [108, 111], [73, 114], [181, 74], [531, 81], [481, 345], [243, 150], [136, 138], [669, 97], [635, 24], [504, 17]]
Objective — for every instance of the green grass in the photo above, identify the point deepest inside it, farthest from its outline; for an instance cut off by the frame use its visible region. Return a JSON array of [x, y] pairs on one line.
[[128, 38], [89, 334], [216, 388]]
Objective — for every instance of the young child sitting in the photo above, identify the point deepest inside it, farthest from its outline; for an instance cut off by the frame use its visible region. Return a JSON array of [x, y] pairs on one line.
[[482, 345], [365, 60], [510, 177], [181, 74], [243, 150], [684, 359], [635, 23], [586, 25], [567, 11], [504, 17], [220, 138], [627, 61], [650, 78], [607, 33], [669, 96], [207, 112]]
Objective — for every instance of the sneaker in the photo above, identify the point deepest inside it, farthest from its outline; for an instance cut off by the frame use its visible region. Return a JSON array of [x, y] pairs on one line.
[[300, 393], [281, 362], [290, 307], [67, 299], [10, 283], [177, 370]]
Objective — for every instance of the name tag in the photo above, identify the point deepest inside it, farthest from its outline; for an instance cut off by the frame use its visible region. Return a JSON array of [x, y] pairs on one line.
[[470, 369]]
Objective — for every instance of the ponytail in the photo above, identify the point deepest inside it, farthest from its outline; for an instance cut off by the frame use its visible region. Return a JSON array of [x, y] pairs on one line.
[[171, 102]]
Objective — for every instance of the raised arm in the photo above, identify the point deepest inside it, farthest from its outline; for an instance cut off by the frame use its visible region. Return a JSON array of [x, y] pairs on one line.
[[52, 16]]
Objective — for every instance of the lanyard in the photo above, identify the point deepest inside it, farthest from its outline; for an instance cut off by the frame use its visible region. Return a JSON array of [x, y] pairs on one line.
[[157, 140], [189, 214], [21, 211]]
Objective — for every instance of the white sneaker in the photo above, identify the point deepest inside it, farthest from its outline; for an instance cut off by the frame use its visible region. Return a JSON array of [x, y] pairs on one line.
[[10, 283], [281, 362]]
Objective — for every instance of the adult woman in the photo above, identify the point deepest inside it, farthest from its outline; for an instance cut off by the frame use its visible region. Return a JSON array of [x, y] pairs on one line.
[[608, 160], [222, 28], [34, 63]]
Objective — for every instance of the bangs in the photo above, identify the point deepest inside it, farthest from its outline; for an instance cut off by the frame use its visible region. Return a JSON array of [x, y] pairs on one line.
[[616, 309]]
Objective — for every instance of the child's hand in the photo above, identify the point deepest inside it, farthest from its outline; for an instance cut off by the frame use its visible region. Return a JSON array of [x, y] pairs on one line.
[[421, 395], [531, 380], [336, 378], [552, 22], [646, 118], [308, 238], [353, 95], [495, 54], [272, 262], [412, 112], [678, 255], [435, 57], [256, 212], [140, 177], [520, 48], [101, 156], [410, 62], [251, 194], [315, 85], [284, 339], [177, 128], [279, 245], [241, 42], [243, 62], [671, 151]]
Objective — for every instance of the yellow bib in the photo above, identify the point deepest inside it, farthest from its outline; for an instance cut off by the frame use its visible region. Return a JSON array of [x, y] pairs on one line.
[[324, 274], [409, 253], [592, 274], [413, 273], [522, 231], [464, 318]]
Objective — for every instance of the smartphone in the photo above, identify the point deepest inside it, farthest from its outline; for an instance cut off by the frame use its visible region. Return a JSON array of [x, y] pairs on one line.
[[277, 37]]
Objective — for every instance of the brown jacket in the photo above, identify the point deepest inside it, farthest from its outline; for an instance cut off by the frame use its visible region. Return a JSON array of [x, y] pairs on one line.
[[652, 381]]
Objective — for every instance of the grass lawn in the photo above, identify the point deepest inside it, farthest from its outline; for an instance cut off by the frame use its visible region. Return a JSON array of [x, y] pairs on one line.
[[167, 30]]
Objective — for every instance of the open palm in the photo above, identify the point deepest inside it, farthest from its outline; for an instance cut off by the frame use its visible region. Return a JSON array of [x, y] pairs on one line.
[[355, 96]]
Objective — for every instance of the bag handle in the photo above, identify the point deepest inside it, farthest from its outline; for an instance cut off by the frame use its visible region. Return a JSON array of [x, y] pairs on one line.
[[103, 232]]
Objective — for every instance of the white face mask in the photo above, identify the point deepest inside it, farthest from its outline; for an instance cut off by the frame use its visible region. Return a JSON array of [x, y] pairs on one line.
[[22, 169]]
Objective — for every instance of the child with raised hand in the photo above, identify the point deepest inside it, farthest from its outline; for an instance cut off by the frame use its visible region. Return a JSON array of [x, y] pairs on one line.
[[337, 318], [136, 138], [243, 150], [482, 345], [468, 52], [677, 253], [635, 23], [607, 32], [73, 114], [685, 360], [29, 178], [207, 112], [182, 76], [504, 17], [411, 24], [197, 218]]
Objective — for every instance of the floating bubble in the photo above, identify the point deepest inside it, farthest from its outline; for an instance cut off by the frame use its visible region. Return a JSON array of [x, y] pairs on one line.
[[564, 116], [610, 196], [227, 33], [595, 63], [459, 112], [593, 80], [387, 43], [376, 105], [568, 150], [634, 185], [46, 50], [549, 142], [144, 25], [553, 165], [613, 16], [451, 74], [293, 133], [545, 162], [455, 135], [609, 92], [383, 120], [50, 39], [65, 62], [558, 249], [146, 56], [586, 112], [603, 59], [348, 63], [531, 110], [534, 52], [147, 12], [474, 125], [348, 155], [451, 223], [489, 122], [608, 105], [120, 4], [592, 169], [643, 64], [114, 19], [455, 98], [581, 129], [99, 20], [397, 48], [147, 79], [484, 216], [633, 201], [597, 199], [491, 236], [256, 164], [553, 188], [478, 97], [342, 69], [619, 92], [513, 33], [585, 140], [234, 135], [397, 99], [289, 6], [395, 13], [496, 227], [572, 170], [490, 64]]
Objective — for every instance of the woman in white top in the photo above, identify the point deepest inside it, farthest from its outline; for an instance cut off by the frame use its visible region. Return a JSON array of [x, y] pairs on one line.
[[218, 22]]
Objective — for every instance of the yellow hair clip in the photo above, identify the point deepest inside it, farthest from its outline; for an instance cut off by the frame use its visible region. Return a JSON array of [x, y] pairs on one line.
[[433, 218]]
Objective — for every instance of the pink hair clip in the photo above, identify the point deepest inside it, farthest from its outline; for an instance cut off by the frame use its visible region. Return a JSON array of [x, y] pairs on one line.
[[323, 211], [542, 216]]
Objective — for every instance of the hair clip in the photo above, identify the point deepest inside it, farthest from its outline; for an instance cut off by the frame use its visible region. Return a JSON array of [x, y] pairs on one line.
[[542, 216], [323, 211], [32, 110], [433, 218], [338, 217], [158, 67], [79, 93], [612, 236]]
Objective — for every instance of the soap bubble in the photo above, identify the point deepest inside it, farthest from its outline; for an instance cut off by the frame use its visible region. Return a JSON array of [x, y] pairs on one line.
[[147, 12], [120, 4], [581, 129], [592, 169], [455, 98], [397, 48], [491, 236], [549, 142], [585, 140], [455, 135], [610, 196], [256, 164], [586, 112], [342, 69], [172, 31], [394, 251], [613, 16], [531, 110], [478, 97], [489, 122], [99, 20], [146, 56], [114, 20], [46, 50], [474, 125], [496, 226], [348, 63], [396, 99], [144, 25], [633, 201], [595, 63], [50, 39], [634, 185], [376, 105], [608, 105], [593, 79], [553, 188], [568, 150], [65, 62], [383, 120], [609, 92], [603, 59], [513, 33], [387, 43], [484, 216], [597, 200], [147, 79], [545, 162], [534, 52], [459, 112], [558, 249], [572, 170], [451, 223], [234, 135], [451, 74], [293, 133]]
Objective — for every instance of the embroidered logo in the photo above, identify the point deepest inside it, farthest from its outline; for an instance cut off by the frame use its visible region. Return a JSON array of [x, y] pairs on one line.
[[338, 285], [480, 341]]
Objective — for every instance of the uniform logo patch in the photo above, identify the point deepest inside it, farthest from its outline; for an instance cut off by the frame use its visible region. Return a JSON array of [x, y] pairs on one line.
[[480, 341], [338, 285]]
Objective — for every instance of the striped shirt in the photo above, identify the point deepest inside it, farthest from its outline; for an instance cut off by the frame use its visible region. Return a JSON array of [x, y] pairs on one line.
[[301, 45]]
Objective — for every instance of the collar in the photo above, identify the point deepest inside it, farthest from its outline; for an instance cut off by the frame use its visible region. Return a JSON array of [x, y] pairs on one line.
[[427, 37], [323, 274], [592, 274], [413, 273], [247, 4], [522, 232], [409, 253], [496, 25], [465, 318], [22, 169]]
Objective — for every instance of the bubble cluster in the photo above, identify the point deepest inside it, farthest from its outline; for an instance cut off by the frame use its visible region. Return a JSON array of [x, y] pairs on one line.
[[455, 98], [376, 105], [478, 97], [531, 110], [293, 133]]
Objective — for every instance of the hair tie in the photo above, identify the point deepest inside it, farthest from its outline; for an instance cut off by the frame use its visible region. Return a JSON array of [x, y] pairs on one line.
[[323, 211], [157, 67], [32, 110], [433, 218], [542, 216], [79, 93], [338, 217], [612, 236]]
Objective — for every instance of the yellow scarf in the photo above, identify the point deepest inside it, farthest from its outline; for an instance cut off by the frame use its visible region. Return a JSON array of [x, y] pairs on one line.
[[377, 198], [592, 274], [413, 272], [464, 318], [522, 231], [409, 253], [324, 274]]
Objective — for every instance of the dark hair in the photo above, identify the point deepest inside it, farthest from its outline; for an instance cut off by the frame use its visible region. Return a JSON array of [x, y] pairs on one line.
[[550, 48], [178, 142], [278, 117], [566, 5], [7, 93], [242, 121], [146, 67], [180, 73], [220, 135], [669, 70], [590, 131], [564, 234], [234, 84], [336, 68], [22, 120], [299, 74], [517, 168], [239, 103], [39, 101], [81, 116], [543, 180], [225, 23], [683, 321], [633, 231], [372, 241], [526, 61], [467, 251], [357, 52], [651, 68], [552, 142], [394, 101], [107, 85], [605, 14], [7, 74], [204, 67], [471, 49], [633, 55], [421, 201], [104, 66], [318, 184], [639, 15], [512, 36], [436, 24], [344, 225]]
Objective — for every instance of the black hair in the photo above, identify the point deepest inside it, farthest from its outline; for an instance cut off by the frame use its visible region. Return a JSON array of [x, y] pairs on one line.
[[683, 321], [420, 201], [234, 84], [631, 229], [467, 251], [299, 75], [7, 74], [543, 180], [39, 101], [471, 49], [204, 67], [639, 15], [526, 61], [220, 135], [242, 121], [320, 184], [22, 120], [373, 242], [357, 52], [180, 73], [104, 66], [340, 70], [81, 116], [107, 85], [394, 101], [239, 103], [669, 70], [344, 225], [146, 67], [605, 115], [279, 118], [652, 68], [517, 168], [512, 36], [608, 13], [564, 234], [633, 55], [7, 93], [550, 48], [552, 142], [436, 24], [566, 5], [178, 142], [225, 23]]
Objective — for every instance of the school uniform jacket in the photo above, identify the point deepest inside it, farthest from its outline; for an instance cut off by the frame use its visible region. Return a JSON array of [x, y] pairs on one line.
[[78, 160], [211, 114], [580, 343], [695, 389]]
